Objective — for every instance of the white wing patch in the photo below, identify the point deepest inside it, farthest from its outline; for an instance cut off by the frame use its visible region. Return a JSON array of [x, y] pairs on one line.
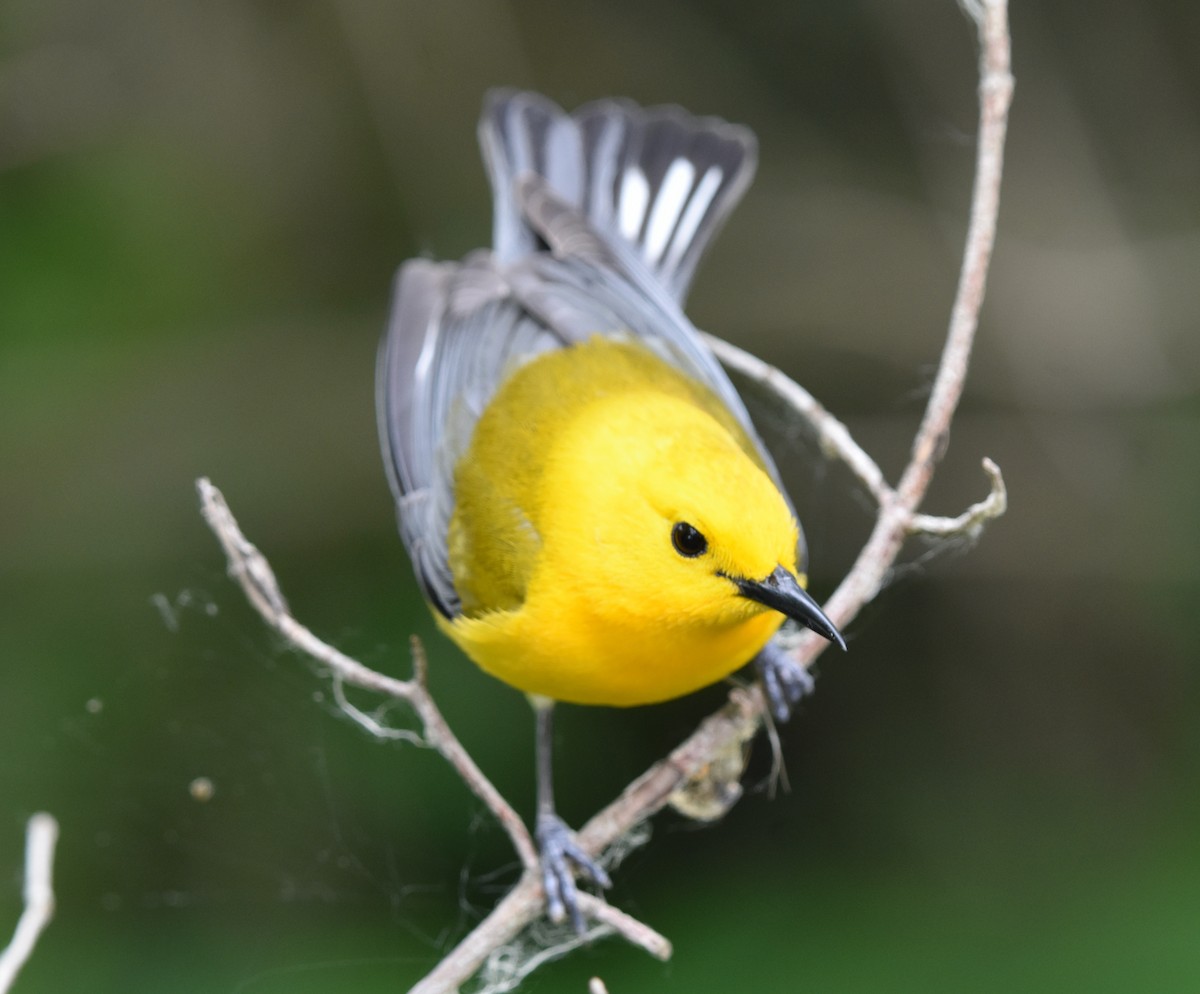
[[672, 195], [635, 194], [706, 189]]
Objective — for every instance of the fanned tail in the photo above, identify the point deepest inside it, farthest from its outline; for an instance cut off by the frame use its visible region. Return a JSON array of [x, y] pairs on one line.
[[658, 178]]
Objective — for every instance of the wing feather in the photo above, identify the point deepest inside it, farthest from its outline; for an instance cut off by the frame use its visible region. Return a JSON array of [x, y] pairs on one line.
[[600, 220], [659, 178]]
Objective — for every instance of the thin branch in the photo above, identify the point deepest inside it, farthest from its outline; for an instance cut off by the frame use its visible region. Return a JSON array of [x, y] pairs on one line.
[[643, 798], [368, 722], [970, 523], [519, 907], [526, 901], [995, 95], [897, 518], [834, 437], [252, 571], [438, 733], [41, 836], [625, 925]]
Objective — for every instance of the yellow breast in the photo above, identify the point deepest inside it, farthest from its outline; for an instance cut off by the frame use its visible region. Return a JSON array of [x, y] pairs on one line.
[[561, 544]]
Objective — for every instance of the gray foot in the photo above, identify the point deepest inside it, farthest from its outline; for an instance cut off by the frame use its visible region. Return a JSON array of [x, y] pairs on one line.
[[785, 682], [559, 851]]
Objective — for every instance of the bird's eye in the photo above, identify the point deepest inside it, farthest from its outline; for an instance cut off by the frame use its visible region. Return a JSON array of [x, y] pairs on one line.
[[687, 541]]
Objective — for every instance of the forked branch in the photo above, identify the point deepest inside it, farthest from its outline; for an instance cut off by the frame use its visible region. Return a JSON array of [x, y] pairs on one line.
[[41, 837], [897, 518], [250, 569]]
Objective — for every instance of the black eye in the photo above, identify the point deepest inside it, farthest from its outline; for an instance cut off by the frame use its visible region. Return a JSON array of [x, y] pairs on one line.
[[687, 541]]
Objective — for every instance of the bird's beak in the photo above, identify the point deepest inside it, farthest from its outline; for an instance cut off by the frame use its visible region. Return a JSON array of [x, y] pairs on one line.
[[782, 591]]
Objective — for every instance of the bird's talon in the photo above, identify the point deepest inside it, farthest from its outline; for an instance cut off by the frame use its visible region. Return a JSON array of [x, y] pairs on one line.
[[559, 851], [785, 682]]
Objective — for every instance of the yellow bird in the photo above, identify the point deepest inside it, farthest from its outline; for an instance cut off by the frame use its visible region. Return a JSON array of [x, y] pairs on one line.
[[587, 506]]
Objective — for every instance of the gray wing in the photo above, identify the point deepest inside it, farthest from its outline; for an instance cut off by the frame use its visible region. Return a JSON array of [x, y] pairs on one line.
[[454, 333], [601, 218], [658, 179], [459, 329]]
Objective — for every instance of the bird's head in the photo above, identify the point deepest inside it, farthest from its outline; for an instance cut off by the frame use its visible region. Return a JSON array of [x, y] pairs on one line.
[[684, 525]]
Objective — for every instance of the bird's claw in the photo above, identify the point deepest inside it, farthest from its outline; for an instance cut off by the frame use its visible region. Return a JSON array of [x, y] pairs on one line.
[[785, 682], [559, 851]]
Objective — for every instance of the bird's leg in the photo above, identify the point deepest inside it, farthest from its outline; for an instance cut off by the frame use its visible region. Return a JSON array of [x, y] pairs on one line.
[[555, 840], [785, 682]]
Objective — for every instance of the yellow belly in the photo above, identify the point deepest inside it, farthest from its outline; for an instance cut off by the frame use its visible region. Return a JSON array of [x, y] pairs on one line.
[[599, 661]]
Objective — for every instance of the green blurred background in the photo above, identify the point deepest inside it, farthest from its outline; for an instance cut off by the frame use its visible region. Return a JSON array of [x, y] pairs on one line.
[[201, 208]]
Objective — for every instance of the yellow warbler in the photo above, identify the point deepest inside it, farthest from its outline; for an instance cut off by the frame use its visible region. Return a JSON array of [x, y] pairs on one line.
[[586, 503]]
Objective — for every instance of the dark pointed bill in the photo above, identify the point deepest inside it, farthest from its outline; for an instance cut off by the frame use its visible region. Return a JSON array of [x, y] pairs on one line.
[[783, 592]]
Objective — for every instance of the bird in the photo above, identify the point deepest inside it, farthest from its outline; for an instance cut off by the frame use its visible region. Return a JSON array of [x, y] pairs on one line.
[[587, 506]]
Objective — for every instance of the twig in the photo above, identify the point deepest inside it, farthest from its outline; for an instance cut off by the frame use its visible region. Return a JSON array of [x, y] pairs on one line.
[[834, 437], [972, 520], [897, 518], [523, 906], [250, 568], [41, 836], [525, 902], [626, 926], [368, 722], [995, 95]]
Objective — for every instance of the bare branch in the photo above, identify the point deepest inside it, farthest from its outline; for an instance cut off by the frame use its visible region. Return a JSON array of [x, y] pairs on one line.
[[626, 926], [834, 437], [41, 836], [898, 516], [995, 94], [520, 906], [368, 722], [525, 902], [970, 523], [896, 513], [438, 734], [252, 571]]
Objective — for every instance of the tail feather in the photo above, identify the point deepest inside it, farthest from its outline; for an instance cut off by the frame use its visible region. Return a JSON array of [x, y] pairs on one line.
[[658, 178]]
